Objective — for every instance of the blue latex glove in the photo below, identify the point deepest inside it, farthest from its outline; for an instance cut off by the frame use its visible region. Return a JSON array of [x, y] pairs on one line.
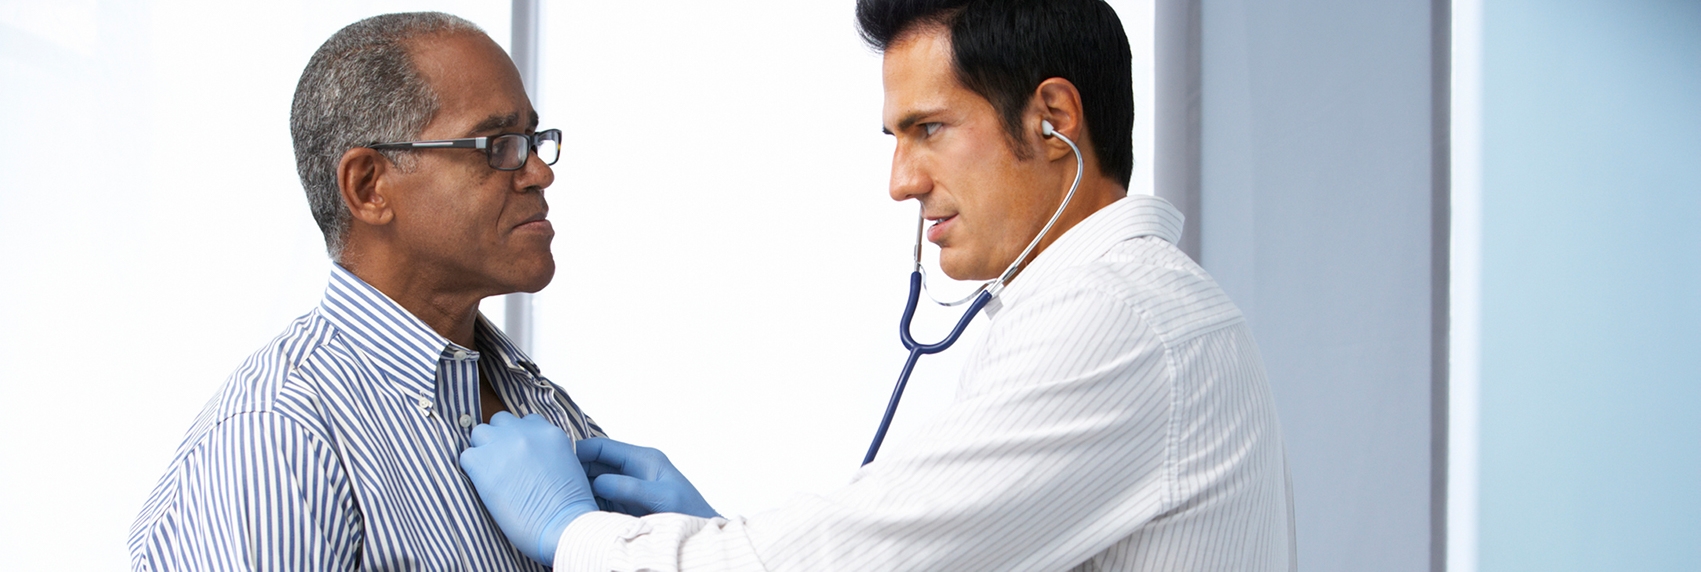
[[531, 483], [639, 480]]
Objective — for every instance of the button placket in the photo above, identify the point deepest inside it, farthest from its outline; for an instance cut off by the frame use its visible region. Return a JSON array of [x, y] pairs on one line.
[[468, 397], [459, 369]]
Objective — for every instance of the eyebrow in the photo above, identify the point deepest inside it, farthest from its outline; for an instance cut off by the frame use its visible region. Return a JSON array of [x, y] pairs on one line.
[[497, 122], [909, 120]]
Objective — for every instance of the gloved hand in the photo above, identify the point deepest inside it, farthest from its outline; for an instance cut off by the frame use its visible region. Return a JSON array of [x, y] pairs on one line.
[[639, 480], [531, 483]]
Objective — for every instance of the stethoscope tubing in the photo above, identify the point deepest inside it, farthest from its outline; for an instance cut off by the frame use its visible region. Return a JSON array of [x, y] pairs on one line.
[[981, 297], [917, 349]]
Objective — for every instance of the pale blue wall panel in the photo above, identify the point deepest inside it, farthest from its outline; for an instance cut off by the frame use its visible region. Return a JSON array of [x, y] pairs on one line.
[[1591, 381], [1318, 207]]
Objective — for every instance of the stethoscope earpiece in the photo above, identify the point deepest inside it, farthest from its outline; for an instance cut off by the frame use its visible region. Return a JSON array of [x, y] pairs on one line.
[[1046, 129]]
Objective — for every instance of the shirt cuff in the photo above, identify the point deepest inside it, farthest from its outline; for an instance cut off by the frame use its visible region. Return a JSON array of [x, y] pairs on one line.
[[590, 541]]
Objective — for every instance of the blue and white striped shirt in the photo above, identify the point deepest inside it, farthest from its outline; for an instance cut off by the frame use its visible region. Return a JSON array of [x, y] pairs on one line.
[[335, 447]]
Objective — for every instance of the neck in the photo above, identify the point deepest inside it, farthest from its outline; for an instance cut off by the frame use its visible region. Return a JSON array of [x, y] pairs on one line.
[[448, 308], [1096, 192]]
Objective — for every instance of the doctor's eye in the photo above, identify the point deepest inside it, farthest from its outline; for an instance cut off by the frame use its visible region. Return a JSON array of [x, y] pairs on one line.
[[931, 128]]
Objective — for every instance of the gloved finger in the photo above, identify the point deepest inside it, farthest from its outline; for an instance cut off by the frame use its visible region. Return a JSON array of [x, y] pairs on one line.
[[594, 470], [624, 490], [589, 449], [631, 460], [470, 460], [483, 434], [503, 418]]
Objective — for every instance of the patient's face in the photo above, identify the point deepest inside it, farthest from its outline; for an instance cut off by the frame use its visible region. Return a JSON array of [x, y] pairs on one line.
[[483, 229]]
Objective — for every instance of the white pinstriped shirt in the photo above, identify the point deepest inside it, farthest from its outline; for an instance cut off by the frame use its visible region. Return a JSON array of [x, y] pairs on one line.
[[1115, 417], [335, 447]]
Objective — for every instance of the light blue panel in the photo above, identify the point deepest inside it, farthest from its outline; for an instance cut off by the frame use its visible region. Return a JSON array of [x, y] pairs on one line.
[[1591, 381]]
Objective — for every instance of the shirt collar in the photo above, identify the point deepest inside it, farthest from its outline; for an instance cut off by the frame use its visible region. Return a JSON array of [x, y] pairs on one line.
[[398, 343], [1131, 217], [491, 337]]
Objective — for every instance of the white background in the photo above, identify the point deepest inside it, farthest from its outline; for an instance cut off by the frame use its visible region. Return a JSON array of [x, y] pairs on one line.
[[730, 267]]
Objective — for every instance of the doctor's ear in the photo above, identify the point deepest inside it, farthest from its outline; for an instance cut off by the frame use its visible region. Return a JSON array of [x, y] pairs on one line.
[[1059, 107], [363, 177]]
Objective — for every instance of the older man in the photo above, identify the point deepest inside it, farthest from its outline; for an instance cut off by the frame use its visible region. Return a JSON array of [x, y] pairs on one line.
[[334, 447]]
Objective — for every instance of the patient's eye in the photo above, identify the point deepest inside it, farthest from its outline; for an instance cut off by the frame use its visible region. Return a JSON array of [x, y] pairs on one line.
[[931, 128]]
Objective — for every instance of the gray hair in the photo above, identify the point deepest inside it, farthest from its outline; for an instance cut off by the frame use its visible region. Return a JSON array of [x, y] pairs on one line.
[[360, 88]]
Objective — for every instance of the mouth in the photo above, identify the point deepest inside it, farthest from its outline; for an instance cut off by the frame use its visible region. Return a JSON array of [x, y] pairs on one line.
[[538, 222], [941, 223]]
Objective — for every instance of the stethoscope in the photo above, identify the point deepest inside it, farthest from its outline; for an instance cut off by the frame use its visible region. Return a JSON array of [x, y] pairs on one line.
[[981, 296]]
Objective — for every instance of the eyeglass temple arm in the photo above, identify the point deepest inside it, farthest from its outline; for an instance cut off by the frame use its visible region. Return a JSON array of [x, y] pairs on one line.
[[472, 143]]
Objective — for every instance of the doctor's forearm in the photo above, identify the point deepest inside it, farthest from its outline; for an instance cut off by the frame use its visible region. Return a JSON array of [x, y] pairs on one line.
[[615, 542]]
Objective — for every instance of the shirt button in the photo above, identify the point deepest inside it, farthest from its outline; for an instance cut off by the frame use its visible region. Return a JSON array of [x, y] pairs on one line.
[[466, 420], [460, 354]]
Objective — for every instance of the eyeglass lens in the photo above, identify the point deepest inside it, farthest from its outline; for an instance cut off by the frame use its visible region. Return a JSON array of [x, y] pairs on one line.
[[509, 152]]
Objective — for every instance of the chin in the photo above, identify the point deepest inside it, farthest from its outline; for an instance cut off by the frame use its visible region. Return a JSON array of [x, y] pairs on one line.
[[534, 277], [959, 269]]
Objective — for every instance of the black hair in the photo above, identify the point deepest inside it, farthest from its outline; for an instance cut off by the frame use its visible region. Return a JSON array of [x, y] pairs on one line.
[[1003, 49]]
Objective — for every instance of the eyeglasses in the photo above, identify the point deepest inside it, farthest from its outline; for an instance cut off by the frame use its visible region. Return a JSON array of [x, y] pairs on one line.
[[507, 152]]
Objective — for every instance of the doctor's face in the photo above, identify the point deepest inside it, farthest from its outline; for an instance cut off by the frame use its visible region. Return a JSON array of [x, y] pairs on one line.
[[475, 227], [954, 156]]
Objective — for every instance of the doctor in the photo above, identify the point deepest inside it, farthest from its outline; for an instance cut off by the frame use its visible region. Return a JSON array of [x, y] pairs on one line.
[[1115, 417]]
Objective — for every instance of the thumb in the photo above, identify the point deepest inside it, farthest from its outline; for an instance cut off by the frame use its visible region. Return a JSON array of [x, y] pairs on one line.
[[469, 462], [627, 491], [589, 450]]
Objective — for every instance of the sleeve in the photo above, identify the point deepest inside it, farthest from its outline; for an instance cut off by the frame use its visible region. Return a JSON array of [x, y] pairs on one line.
[[257, 493], [1057, 445]]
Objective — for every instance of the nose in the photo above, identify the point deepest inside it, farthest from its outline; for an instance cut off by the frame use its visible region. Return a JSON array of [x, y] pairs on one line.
[[534, 175], [909, 176]]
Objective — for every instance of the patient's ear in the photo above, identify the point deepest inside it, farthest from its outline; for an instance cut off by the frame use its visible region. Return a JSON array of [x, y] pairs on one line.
[[361, 176]]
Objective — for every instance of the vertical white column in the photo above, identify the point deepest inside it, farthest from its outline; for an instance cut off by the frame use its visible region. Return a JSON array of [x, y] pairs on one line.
[[1464, 366], [517, 314], [1176, 153]]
